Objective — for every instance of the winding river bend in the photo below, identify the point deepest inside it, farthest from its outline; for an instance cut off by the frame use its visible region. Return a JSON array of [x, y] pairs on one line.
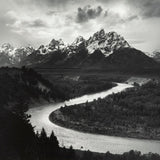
[[86, 141]]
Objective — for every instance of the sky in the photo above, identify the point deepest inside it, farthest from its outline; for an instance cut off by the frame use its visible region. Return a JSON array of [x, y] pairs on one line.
[[36, 22]]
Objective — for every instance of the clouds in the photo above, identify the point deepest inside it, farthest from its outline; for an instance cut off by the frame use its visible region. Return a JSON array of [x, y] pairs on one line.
[[149, 8], [145, 8], [112, 17], [35, 23], [87, 13], [38, 21], [51, 3]]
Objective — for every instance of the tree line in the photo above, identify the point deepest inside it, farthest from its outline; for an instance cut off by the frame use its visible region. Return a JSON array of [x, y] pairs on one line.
[[133, 113]]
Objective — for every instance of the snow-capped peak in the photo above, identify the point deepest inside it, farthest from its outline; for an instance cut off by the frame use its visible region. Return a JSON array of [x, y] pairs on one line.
[[56, 44], [79, 40], [99, 35], [155, 55], [6, 47], [106, 42]]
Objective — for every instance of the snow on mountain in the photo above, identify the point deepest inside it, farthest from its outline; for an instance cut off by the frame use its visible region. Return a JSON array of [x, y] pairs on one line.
[[149, 54], [11, 51], [21, 53], [78, 41], [156, 55], [106, 42], [8, 49], [42, 49], [6, 52], [15, 55], [54, 45]]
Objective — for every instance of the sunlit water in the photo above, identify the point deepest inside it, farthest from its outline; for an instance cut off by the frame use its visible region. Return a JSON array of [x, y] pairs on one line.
[[85, 141]]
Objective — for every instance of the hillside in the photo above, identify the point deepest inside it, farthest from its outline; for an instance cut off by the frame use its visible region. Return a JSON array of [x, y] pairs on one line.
[[156, 56], [22, 87], [131, 59]]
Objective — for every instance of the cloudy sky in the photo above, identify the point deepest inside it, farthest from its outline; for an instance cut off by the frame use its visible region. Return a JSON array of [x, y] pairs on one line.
[[36, 22]]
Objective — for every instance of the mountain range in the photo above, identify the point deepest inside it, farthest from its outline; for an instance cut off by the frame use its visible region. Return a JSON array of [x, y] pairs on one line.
[[101, 50], [156, 55]]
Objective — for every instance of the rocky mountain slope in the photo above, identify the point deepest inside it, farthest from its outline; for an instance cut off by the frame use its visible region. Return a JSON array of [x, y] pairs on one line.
[[23, 86], [10, 56], [107, 43], [100, 50], [156, 55]]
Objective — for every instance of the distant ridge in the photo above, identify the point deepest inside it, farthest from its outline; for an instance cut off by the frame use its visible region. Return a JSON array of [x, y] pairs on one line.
[[102, 50]]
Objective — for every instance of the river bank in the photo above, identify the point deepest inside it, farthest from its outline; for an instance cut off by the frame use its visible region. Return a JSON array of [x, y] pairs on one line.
[[58, 118], [133, 113], [85, 141]]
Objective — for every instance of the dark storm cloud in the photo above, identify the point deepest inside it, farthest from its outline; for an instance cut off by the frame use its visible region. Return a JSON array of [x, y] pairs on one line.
[[87, 13]]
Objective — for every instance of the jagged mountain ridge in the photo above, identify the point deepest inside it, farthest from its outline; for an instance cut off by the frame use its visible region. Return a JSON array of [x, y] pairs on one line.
[[96, 52], [156, 55], [10, 56], [106, 42]]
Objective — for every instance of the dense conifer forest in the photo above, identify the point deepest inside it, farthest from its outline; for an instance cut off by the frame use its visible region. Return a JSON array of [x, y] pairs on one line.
[[132, 113], [19, 142], [26, 86], [18, 89]]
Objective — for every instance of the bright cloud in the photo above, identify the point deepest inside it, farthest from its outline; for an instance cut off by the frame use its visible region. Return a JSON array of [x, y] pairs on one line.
[[38, 21]]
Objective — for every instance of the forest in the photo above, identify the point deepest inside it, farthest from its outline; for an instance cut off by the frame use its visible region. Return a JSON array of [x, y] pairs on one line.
[[18, 141], [75, 83], [26, 86], [84, 85], [23, 87], [132, 113], [18, 89]]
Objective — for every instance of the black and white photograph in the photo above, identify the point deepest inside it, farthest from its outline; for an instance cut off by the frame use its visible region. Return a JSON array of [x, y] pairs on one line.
[[79, 79]]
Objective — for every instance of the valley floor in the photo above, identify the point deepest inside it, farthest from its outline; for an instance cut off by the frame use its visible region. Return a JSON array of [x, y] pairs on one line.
[[134, 113], [58, 118]]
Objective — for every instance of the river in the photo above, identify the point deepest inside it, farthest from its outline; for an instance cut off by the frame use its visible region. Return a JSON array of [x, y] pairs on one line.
[[87, 141]]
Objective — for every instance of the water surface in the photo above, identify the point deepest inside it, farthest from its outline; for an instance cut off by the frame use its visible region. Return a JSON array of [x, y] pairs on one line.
[[87, 141]]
